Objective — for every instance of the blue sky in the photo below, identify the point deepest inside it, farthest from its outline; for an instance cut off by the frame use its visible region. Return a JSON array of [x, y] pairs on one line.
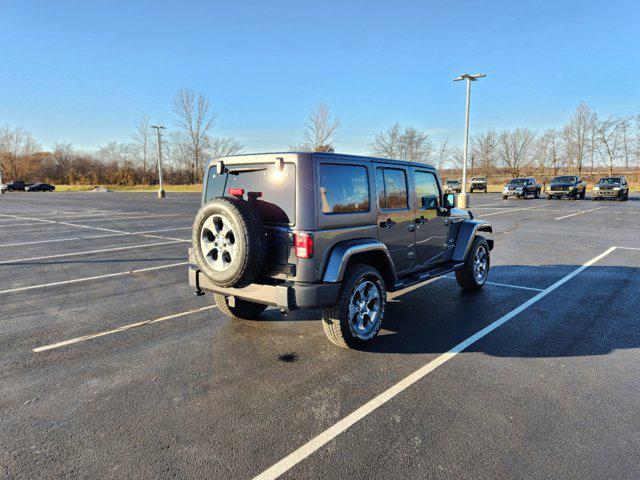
[[85, 71]]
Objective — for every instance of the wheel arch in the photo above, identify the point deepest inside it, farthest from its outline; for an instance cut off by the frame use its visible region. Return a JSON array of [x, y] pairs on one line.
[[367, 251], [466, 234]]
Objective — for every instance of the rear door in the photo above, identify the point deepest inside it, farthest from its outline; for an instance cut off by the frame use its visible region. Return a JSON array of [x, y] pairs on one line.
[[396, 227], [432, 230]]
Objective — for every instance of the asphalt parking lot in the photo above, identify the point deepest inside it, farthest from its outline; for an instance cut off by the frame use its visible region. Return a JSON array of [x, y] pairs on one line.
[[112, 368]]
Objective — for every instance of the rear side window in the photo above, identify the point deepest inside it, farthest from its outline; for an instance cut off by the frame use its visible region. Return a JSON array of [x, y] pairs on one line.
[[271, 192], [392, 189], [343, 188]]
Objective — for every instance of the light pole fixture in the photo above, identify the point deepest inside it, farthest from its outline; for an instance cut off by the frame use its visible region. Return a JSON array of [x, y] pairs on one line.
[[161, 193], [462, 198]]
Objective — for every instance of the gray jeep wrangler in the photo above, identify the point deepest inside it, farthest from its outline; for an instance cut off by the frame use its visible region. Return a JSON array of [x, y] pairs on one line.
[[331, 232]]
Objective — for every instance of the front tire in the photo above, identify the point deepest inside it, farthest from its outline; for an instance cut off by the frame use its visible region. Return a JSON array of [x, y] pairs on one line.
[[476, 267], [243, 309], [355, 319], [504, 197]]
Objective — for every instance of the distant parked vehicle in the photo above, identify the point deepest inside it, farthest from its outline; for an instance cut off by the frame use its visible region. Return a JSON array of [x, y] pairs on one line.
[[39, 187], [611, 187], [478, 183], [452, 186], [521, 188], [570, 186], [13, 186]]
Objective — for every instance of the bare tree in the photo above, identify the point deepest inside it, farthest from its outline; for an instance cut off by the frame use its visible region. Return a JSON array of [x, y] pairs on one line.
[[405, 143], [515, 149], [546, 154], [142, 138], [442, 154], [611, 135], [195, 119], [320, 130], [17, 147], [222, 147], [576, 136], [484, 150]]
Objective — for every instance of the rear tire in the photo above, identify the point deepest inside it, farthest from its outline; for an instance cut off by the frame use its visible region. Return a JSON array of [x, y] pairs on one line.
[[229, 242], [243, 309], [476, 267], [504, 197], [355, 319]]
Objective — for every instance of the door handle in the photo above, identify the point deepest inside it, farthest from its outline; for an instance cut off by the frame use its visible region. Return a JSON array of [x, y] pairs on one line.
[[388, 223]]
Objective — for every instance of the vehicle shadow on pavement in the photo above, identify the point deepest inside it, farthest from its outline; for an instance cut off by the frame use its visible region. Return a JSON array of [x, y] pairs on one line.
[[594, 313]]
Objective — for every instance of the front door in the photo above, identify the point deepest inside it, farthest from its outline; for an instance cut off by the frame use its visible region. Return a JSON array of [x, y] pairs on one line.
[[396, 228], [432, 230]]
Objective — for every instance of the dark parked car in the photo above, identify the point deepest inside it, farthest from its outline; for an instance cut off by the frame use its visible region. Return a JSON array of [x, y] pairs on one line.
[[478, 183], [17, 185], [567, 186], [331, 232], [611, 187], [522, 188], [453, 186], [39, 187]]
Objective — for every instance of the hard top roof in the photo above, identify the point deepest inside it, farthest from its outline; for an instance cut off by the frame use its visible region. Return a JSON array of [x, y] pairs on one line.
[[336, 156]]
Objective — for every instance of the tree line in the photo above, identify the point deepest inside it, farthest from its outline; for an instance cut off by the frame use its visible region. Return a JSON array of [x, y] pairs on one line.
[[184, 151], [586, 144]]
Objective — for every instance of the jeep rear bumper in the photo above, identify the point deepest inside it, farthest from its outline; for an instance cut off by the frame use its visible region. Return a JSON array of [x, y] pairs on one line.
[[285, 296]]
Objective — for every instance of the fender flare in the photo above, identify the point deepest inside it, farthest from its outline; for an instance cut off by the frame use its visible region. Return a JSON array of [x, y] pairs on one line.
[[343, 251], [466, 234]]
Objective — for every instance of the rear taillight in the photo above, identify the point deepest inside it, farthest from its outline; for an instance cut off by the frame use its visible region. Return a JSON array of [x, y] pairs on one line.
[[304, 245]]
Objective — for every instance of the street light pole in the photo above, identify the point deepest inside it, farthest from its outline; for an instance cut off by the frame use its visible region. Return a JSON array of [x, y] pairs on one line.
[[463, 201], [161, 193]]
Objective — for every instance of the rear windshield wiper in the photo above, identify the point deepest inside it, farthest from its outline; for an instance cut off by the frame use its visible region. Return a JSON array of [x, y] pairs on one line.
[[238, 171]]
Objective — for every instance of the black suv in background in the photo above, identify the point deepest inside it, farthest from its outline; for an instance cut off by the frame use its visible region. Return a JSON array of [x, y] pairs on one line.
[[17, 185], [611, 187], [521, 188], [567, 186], [478, 183], [331, 232]]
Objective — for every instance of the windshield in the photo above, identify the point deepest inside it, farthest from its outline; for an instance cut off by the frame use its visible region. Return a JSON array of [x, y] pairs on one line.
[[610, 181], [567, 179], [478, 179], [271, 192], [518, 182], [452, 182]]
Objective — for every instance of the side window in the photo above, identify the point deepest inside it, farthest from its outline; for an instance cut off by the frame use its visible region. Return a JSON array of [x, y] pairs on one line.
[[392, 189], [427, 192], [344, 188]]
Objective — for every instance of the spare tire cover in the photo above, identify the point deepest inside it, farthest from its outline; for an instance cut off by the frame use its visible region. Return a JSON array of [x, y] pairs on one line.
[[229, 242]]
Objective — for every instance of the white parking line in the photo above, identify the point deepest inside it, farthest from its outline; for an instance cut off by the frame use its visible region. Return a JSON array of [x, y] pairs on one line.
[[88, 227], [89, 252], [578, 213], [91, 237], [87, 279], [332, 432], [510, 210], [123, 217], [509, 285], [91, 336]]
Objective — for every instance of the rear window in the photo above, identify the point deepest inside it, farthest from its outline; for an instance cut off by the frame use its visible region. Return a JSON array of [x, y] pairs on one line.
[[344, 188], [273, 193]]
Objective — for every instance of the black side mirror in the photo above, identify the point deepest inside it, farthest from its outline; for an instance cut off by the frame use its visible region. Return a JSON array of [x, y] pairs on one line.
[[449, 200], [429, 202]]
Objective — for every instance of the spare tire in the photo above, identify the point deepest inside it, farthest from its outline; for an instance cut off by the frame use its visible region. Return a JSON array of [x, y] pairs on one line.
[[229, 242]]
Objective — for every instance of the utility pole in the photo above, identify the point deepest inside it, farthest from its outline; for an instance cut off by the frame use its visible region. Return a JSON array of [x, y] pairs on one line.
[[161, 193], [462, 198]]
